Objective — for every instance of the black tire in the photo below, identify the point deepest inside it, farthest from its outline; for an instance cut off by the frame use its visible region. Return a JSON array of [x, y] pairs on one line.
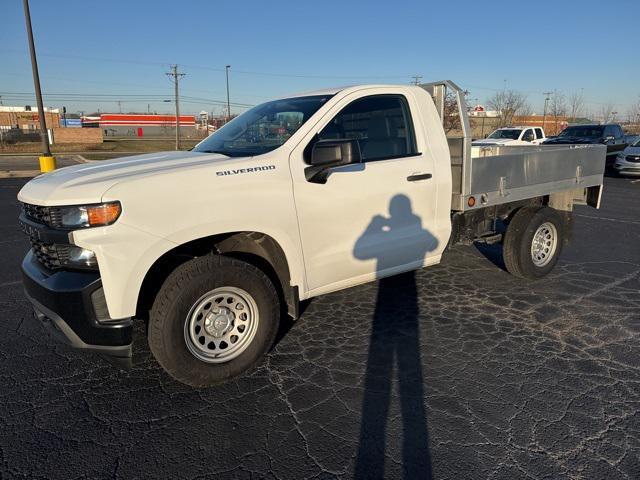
[[175, 300], [516, 248]]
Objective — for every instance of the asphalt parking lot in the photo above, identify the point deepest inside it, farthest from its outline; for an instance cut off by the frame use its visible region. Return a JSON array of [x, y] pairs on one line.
[[489, 377], [14, 165]]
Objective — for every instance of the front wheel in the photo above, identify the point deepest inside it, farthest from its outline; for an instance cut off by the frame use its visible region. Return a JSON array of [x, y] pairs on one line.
[[213, 319], [533, 242]]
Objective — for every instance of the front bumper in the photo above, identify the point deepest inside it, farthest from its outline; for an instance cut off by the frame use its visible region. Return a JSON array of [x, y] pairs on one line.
[[627, 168], [69, 303]]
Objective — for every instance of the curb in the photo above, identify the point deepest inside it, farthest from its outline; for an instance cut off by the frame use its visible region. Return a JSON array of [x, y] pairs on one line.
[[19, 173]]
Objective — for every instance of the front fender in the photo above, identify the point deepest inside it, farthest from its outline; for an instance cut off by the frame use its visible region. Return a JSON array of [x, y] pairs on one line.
[[125, 254]]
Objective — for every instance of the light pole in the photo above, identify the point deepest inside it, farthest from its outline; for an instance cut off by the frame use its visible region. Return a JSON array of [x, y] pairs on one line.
[[228, 102], [544, 114], [47, 162]]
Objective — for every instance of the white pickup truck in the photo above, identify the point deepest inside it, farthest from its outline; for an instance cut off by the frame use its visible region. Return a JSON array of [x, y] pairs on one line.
[[295, 198], [513, 136]]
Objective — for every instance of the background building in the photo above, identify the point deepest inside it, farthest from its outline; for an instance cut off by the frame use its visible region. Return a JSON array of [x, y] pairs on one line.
[[147, 125], [27, 117]]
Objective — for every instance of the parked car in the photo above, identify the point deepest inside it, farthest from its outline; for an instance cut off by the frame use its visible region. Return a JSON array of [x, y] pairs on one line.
[[628, 161], [631, 139], [513, 136], [610, 135]]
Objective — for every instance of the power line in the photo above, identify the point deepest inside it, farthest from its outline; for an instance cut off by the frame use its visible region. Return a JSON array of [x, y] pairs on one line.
[[215, 69], [115, 97]]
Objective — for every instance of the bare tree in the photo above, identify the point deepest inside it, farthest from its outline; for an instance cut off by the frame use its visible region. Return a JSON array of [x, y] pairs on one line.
[[451, 120], [526, 110], [557, 107], [634, 113], [508, 103], [606, 112], [576, 105]]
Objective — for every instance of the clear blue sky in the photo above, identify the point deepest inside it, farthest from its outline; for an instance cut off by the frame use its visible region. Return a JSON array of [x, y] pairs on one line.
[[123, 48]]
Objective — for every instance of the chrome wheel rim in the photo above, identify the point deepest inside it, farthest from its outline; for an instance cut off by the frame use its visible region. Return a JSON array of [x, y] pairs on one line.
[[221, 324], [544, 244]]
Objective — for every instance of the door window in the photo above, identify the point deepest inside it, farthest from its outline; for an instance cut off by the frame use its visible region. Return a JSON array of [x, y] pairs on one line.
[[617, 131], [539, 133], [611, 132], [527, 136], [381, 124]]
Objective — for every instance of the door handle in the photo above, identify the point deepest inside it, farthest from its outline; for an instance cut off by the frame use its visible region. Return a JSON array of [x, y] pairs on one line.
[[418, 176]]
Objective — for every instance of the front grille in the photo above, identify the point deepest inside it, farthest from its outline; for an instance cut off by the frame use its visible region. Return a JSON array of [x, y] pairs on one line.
[[633, 158], [50, 216], [52, 256]]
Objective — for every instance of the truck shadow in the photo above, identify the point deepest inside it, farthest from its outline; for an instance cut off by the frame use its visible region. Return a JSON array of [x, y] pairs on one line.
[[395, 340], [493, 253]]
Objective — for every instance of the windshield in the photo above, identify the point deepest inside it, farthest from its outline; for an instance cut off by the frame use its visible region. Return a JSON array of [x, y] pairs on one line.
[[583, 132], [636, 143], [263, 128], [511, 133]]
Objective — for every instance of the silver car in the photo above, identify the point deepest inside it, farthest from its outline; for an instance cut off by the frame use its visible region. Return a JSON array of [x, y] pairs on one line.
[[628, 161]]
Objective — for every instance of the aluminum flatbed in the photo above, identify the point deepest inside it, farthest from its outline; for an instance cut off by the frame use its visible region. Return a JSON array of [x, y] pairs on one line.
[[494, 175]]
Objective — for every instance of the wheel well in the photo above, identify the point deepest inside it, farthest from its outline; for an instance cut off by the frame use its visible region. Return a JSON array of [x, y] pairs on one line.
[[256, 248], [473, 225]]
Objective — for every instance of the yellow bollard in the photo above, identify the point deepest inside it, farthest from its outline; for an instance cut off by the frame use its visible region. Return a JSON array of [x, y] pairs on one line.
[[47, 164]]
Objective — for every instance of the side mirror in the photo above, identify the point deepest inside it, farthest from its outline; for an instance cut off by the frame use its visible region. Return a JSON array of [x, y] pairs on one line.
[[327, 154], [333, 153]]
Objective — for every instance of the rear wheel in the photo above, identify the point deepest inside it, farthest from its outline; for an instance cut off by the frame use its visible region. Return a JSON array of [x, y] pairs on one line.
[[213, 319], [533, 242]]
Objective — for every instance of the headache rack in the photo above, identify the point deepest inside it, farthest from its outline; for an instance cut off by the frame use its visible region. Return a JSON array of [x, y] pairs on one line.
[[495, 175]]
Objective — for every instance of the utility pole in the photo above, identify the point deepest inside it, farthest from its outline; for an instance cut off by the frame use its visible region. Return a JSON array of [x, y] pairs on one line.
[[416, 79], [47, 162], [544, 114], [176, 79], [119, 106], [228, 102]]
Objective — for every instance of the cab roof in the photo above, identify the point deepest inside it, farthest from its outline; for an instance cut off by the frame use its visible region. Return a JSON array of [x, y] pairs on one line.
[[335, 90]]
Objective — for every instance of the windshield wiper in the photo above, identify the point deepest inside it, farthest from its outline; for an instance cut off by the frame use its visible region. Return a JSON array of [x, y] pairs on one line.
[[222, 152]]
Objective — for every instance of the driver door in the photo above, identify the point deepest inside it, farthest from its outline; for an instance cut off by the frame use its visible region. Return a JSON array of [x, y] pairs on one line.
[[370, 219]]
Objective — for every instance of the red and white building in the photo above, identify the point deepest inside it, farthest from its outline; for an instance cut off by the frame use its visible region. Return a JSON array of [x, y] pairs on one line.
[[143, 125]]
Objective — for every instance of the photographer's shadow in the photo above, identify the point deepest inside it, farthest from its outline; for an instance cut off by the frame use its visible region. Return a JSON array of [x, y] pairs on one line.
[[395, 338]]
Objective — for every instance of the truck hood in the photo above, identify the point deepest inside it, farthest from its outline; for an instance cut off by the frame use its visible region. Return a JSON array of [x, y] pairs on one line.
[[87, 183], [566, 140], [493, 141]]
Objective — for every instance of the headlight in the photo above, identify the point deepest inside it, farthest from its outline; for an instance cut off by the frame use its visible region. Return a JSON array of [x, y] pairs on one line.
[[83, 216], [620, 156], [81, 257]]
